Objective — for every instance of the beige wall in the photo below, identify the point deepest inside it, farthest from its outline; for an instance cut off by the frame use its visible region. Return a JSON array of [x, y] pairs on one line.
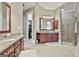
[[16, 17]]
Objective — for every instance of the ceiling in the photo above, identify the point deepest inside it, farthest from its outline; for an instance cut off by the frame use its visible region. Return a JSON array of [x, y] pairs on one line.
[[46, 5], [28, 5], [51, 5]]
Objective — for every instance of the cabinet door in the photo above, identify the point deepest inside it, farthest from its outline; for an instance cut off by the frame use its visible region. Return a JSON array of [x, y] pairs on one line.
[[9, 50], [42, 38], [55, 37], [17, 43], [12, 54], [17, 51], [49, 37]]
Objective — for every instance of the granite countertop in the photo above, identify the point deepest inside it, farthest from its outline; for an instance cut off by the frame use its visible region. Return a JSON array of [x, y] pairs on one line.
[[6, 42], [47, 31]]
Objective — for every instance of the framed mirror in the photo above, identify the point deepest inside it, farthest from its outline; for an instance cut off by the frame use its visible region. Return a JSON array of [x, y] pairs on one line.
[[47, 23], [5, 18]]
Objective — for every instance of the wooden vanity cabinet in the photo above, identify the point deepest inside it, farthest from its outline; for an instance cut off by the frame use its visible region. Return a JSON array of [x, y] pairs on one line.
[[19, 46], [47, 37], [14, 49], [9, 51]]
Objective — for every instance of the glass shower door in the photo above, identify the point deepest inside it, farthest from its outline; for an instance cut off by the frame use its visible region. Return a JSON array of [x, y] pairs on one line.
[[68, 23]]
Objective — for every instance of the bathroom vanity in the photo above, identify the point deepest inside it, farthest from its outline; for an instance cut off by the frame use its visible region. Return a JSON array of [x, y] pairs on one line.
[[47, 30], [44, 37], [11, 47]]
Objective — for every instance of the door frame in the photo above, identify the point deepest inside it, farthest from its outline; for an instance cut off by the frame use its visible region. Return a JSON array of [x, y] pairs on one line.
[[27, 11]]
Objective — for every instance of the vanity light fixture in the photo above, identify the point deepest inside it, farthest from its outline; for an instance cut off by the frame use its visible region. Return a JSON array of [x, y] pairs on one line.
[[47, 17]]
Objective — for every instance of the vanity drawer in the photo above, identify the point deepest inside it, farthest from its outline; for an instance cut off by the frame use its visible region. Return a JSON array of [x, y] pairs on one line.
[[9, 51], [17, 43]]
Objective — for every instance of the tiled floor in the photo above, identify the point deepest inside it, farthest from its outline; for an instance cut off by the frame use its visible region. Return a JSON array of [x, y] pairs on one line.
[[28, 44], [47, 50]]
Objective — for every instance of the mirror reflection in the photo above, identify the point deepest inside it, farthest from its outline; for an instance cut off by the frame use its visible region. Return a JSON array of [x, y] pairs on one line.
[[46, 23], [4, 17]]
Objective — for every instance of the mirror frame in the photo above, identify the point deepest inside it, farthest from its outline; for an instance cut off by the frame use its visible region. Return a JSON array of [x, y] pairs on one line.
[[7, 31], [46, 29]]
